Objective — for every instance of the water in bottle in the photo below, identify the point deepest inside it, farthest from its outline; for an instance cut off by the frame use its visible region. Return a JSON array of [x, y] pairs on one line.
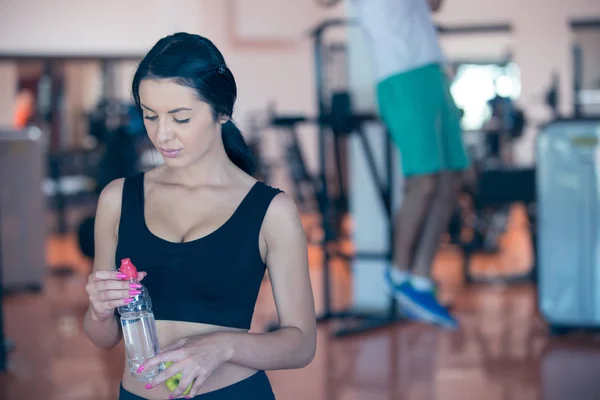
[[139, 328]]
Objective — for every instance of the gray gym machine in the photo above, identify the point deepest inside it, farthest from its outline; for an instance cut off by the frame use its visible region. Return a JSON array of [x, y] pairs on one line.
[[22, 217]]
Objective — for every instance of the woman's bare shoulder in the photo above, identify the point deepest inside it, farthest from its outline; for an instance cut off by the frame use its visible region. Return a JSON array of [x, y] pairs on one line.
[[282, 216]]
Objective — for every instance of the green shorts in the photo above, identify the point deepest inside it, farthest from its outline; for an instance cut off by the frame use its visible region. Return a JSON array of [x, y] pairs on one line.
[[423, 120]]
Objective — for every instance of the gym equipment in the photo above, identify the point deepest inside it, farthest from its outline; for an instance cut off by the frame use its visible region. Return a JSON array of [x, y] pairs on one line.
[[22, 216], [335, 121], [337, 126], [553, 95], [495, 191], [342, 121], [22, 207], [304, 189], [586, 98], [568, 230], [498, 183], [254, 141], [506, 124], [498, 186]]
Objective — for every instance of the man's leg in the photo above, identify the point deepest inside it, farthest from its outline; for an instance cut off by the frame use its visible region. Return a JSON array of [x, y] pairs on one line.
[[416, 293], [437, 221], [412, 130], [409, 219], [450, 182]]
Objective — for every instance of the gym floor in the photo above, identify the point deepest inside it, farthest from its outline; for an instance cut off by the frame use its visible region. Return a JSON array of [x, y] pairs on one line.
[[502, 351]]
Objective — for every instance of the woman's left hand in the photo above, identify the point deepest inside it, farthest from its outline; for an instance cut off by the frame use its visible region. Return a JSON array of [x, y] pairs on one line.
[[196, 358]]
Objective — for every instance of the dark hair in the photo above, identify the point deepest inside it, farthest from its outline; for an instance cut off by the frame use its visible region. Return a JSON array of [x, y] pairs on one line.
[[195, 62]]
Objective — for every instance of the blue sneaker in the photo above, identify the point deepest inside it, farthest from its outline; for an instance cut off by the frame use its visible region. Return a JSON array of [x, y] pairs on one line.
[[423, 306]]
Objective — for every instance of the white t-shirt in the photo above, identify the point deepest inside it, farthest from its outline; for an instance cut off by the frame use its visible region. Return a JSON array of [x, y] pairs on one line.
[[400, 33]]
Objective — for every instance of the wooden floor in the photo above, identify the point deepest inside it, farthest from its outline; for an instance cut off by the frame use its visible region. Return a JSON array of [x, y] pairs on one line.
[[502, 351]]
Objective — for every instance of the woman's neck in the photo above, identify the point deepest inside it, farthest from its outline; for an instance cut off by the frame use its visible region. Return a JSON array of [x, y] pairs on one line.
[[212, 169]]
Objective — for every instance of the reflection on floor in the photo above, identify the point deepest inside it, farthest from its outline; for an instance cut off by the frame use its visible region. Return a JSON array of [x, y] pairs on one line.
[[501, 352]]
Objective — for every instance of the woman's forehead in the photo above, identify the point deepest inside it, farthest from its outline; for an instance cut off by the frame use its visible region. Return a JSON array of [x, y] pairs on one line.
[[166, 93]]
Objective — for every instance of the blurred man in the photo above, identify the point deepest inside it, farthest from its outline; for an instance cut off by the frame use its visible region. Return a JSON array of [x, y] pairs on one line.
[[415, 103]]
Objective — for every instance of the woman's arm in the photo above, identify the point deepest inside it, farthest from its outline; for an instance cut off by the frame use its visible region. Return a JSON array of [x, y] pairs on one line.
[[294, 344], [104, 331]]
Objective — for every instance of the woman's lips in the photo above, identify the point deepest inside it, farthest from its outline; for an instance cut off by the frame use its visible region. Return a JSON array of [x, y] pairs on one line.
[[170, 153]]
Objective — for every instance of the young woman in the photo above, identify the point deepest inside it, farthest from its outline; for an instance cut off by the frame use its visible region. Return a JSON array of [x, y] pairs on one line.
[[203, 231]]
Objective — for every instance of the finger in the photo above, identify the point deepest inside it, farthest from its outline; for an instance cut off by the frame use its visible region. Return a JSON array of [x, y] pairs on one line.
[[184, 383], [172, 356], [172, 370], [103, 275], [111, 304], [117, 294], [198, 382], [116, 285], [141, 275]]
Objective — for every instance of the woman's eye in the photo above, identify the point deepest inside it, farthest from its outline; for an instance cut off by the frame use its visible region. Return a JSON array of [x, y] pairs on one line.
[[182, 121], [149, 118]]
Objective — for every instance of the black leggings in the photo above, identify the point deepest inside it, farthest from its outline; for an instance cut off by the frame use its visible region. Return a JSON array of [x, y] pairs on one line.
[[255, 387]]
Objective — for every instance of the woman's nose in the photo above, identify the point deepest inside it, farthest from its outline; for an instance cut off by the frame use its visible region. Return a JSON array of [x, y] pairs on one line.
[[165, 132]]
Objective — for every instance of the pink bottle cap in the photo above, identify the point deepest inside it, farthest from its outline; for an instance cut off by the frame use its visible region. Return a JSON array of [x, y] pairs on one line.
[[128, 269]]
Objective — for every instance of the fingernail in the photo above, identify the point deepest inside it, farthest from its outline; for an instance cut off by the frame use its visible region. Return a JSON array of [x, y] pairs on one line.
[[171, 396], [127, 301], [121, 276], [134, 292], [140, 369], [135, 285], [148, 386]]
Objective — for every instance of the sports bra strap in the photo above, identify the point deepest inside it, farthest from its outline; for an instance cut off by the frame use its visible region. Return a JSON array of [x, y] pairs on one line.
[[254, 208], [132, 205]]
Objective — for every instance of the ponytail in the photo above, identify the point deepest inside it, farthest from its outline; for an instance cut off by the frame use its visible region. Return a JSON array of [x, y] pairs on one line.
[[236, 148]]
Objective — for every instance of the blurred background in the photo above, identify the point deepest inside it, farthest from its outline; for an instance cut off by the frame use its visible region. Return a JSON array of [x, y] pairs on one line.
[[523, 281]]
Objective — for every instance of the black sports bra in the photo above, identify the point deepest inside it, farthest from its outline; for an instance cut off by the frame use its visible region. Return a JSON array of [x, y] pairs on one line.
[[214, 279]]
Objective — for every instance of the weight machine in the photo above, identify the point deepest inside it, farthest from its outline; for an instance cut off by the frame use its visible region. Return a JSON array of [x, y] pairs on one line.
[[336, 121]]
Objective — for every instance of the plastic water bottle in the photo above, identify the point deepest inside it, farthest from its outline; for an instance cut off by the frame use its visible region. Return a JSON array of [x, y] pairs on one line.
[[139, 328]]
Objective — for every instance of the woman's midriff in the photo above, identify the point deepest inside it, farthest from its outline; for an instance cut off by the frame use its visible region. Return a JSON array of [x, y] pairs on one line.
[[170, 332]]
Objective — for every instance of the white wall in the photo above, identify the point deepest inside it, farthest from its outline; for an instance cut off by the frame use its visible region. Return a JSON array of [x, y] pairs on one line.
[[89, 26]]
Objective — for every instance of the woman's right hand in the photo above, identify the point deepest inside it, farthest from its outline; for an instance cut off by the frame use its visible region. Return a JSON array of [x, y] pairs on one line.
[[107, 290]]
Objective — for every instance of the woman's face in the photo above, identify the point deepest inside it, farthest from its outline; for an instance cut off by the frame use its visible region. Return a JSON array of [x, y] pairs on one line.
[[180, 126]]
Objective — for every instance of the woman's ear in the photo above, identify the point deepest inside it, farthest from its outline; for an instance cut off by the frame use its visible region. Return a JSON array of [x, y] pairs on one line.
[[223, 119]]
